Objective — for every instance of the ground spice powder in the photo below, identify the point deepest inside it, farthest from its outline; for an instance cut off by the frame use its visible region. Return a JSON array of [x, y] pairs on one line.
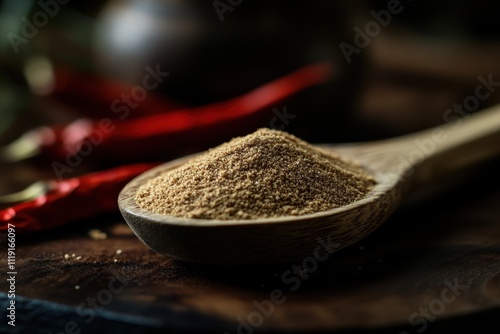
[[266, 174]]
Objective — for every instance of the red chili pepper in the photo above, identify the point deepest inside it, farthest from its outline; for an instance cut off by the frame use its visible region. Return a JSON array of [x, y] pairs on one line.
[[71, 199], [177, 132]]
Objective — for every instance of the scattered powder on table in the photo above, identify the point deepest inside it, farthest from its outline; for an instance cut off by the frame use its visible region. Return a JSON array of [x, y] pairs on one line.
[[97, 234], [266, 174]]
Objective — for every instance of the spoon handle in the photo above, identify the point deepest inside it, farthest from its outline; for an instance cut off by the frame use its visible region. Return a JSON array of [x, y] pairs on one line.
[[463, 141], [428, 155]]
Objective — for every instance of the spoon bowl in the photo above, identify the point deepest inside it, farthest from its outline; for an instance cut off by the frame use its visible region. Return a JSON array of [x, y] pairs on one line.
[[398, 165]]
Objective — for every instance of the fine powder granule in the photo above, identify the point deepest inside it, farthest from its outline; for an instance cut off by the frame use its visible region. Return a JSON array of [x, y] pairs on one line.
[[266, 174]]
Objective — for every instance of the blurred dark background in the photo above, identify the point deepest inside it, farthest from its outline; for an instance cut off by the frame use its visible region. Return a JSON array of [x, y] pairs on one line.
[[428, 57]]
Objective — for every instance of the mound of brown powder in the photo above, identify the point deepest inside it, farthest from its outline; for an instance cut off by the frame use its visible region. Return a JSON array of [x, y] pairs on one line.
[[266, 174]]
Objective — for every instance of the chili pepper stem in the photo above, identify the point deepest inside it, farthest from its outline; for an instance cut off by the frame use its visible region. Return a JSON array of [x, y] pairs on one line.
[[33, 191], [22, 148]]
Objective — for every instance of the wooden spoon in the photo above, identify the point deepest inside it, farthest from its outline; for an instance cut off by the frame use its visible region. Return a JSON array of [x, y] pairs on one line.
[[399, 166]]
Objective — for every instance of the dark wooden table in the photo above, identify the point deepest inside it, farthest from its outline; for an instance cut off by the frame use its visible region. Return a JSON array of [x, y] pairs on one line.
[[433, 267]]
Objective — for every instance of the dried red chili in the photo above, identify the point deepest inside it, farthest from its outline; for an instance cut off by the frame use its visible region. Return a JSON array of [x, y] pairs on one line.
[[71, 199], [174, 132]]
